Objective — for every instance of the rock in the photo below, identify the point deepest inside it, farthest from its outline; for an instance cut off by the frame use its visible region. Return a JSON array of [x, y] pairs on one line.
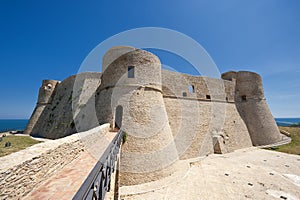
[[285, 133], [7, 144]]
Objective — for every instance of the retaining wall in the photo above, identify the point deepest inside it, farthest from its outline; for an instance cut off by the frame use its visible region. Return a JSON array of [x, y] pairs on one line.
[[22, 171]]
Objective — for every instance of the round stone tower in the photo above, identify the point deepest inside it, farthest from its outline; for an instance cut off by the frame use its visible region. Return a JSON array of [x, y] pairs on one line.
[[253, 108], [46, 93], [114, 53], [130, 98]]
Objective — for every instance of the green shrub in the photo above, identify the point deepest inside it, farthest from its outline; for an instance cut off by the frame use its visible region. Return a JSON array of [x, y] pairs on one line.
[[295, 125], [124, 137]]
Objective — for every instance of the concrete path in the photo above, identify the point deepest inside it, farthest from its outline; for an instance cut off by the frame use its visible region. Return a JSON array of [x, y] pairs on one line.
[[245, 174]]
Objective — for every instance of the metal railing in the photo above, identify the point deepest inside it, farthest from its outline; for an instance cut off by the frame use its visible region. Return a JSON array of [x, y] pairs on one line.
[[98, 181]]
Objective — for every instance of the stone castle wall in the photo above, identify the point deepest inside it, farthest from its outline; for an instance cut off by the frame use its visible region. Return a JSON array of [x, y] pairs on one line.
[[46, 93], [253, 108], [139, 101], [195, 120], [59, 118], [167, 115]]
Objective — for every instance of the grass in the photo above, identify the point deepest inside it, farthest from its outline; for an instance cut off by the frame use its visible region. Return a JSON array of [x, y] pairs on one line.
[[294, 146], [17, 143]]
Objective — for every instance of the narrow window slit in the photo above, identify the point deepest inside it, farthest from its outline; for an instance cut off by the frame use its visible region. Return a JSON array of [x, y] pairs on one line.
[[192, 89]]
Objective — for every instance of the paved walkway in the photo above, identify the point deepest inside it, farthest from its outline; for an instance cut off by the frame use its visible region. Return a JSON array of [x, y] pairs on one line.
[[245, 174], [67, 181]]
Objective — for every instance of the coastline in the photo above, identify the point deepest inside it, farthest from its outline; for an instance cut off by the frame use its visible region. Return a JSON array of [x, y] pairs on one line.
[[7, 126], [12, 125]]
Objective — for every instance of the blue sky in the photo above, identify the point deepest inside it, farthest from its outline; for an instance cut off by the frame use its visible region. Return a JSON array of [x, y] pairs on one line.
[[49, 40]]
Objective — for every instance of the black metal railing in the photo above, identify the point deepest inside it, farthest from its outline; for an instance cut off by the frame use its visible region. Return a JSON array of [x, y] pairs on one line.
[[98, 181]]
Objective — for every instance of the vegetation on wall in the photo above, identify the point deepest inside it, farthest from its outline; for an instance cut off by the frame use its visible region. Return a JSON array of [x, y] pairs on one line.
[[124, 137]]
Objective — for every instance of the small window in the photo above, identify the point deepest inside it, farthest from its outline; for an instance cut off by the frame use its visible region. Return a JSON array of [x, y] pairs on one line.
[[207, 96], [227, 99], [192, 89], [131, 72], [184, 94], [244, 98]]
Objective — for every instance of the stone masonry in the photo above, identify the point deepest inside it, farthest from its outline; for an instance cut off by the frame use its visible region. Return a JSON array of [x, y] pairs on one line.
[[167, 116]]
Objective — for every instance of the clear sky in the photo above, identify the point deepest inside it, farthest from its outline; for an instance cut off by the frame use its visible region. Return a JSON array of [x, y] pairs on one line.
[[49, 40]]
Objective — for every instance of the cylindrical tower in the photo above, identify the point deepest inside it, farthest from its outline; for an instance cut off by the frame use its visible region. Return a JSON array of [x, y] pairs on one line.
[[45, 97], [253, 108], [130, 98], [113, 53]]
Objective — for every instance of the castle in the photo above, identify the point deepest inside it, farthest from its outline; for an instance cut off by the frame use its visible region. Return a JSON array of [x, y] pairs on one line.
[[168, 116]]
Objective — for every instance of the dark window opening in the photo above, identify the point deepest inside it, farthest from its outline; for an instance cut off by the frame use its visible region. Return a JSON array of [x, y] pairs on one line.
[[184, 94], [244, 98], [207, 96], [226, 98], [118, 117], [131, 72], [192, 89]]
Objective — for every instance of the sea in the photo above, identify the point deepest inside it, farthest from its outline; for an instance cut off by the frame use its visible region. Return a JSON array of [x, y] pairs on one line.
[[287, 121], [20, 124], [12, 124]]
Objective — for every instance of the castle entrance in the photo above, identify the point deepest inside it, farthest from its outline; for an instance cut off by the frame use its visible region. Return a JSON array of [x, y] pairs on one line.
[[118, 117]]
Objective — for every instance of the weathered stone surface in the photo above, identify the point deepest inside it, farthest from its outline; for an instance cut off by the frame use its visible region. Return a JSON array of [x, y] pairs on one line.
[[65, 112], [167, 115], [24, 177], [226, 177], [40, 162], [253, 108]]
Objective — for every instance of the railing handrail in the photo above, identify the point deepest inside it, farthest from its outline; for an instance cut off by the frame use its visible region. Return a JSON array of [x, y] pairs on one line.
[[99, 178]]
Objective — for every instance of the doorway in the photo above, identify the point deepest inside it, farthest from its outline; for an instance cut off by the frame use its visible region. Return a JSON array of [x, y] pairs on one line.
[[118, 117]]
